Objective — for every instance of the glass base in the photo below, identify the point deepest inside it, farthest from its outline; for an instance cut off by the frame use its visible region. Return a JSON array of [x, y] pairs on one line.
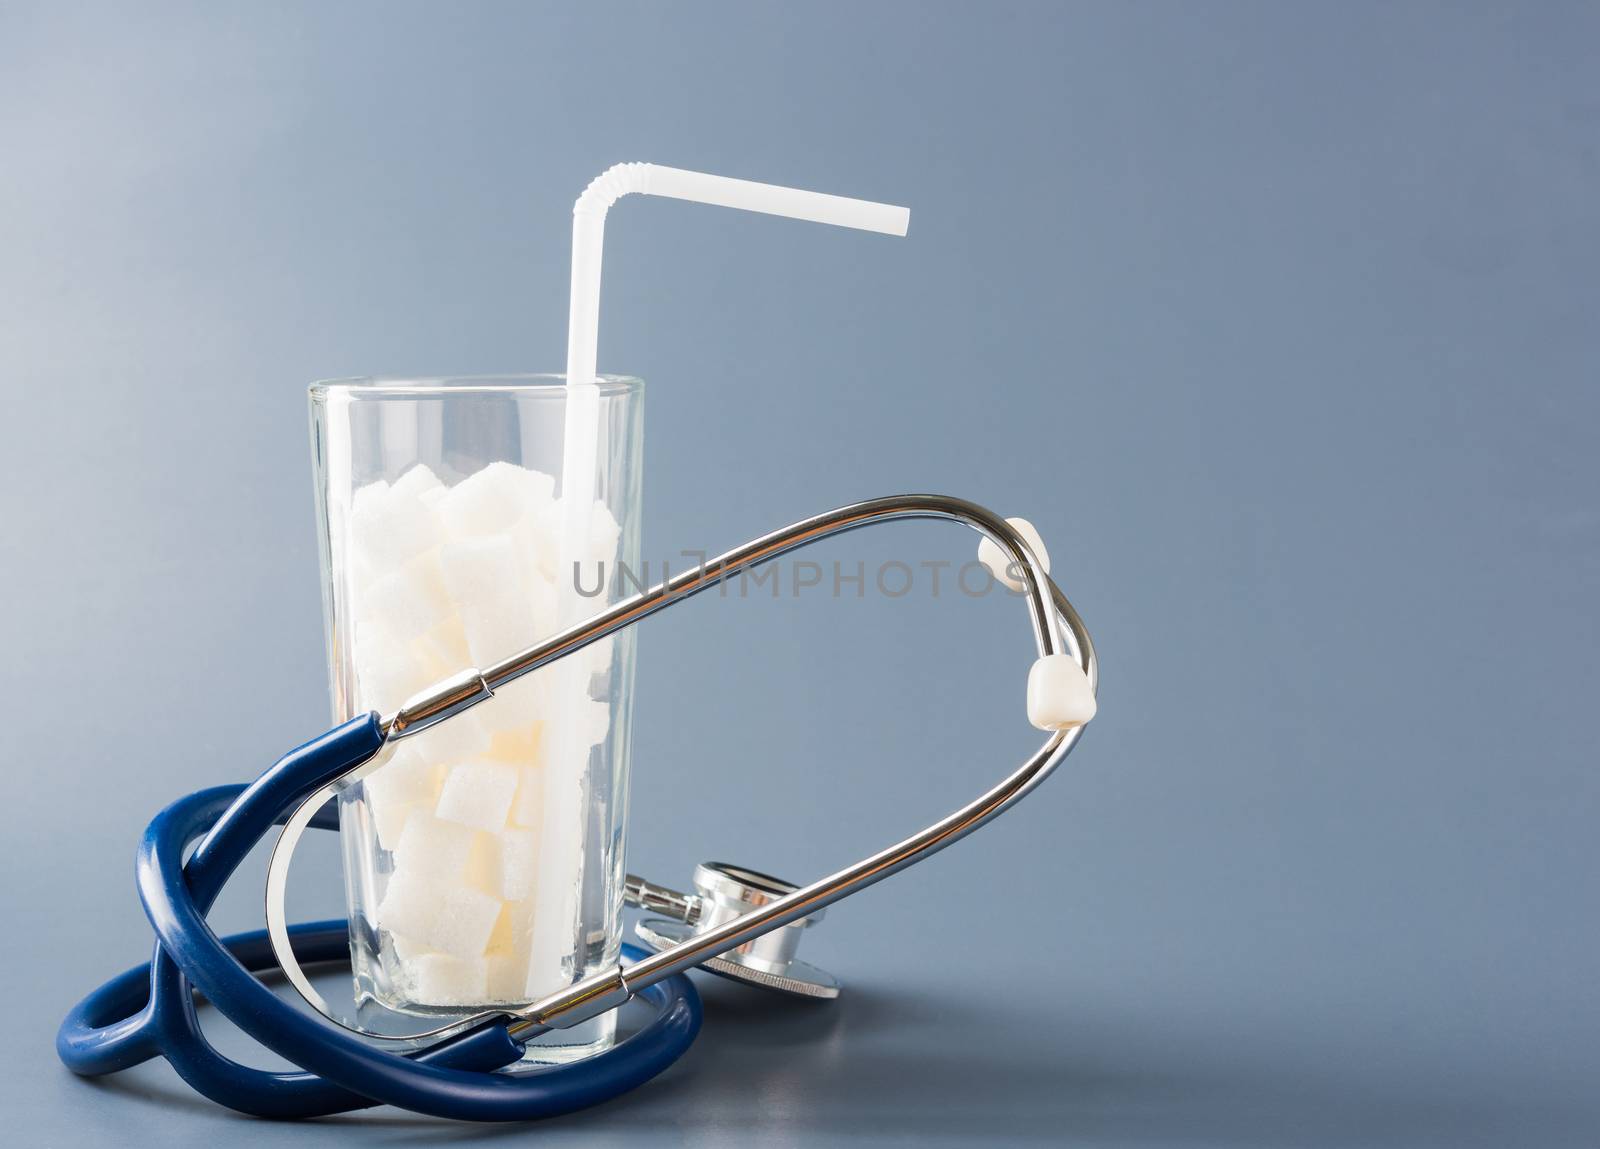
[[558, 1047]]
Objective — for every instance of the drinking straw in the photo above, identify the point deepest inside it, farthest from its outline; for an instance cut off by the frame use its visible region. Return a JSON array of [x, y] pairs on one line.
[[581, 433]]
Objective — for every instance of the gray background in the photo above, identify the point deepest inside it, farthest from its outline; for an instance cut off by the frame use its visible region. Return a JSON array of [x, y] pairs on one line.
[[1278, 319]]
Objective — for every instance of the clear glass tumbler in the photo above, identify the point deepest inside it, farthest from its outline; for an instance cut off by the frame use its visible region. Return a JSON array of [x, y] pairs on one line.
[[484, 859]]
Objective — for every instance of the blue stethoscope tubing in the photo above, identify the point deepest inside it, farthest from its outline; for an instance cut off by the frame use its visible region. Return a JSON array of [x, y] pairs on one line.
[[149, 1011]]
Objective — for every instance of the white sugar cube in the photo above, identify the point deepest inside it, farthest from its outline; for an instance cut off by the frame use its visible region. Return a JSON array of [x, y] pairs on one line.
[[400, 948], [482, 867], [435, 915], [520, 746], [407, 909], [408, 601], [440, 979], [360, 573], [488, 582], [528, 808], [419, 480], [511, 929], [368, 495], [464, 921], [518, 705], [544, 538], [406, 782], [503, 863], [497, 630], [389, 820], [478, 794], [540, 535], [516, 856], [407, 777], [538, 488], [387, 526], [493, 499], [546, 602], [508, 978], [457, 738], [433, 847], [444, 648], [387, 671]]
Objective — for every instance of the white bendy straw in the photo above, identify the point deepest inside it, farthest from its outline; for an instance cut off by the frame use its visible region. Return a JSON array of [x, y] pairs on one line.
[[580, 436], [581, 429], [588, 245]]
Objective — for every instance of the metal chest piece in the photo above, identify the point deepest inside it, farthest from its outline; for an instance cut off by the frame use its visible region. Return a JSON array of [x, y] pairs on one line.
[[722, 893]]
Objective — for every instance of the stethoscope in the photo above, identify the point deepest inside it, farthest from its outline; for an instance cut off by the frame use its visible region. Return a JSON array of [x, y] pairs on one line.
[[738, 923]]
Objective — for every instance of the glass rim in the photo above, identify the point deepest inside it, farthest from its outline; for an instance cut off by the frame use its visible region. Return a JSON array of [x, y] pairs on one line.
[[439, 386]]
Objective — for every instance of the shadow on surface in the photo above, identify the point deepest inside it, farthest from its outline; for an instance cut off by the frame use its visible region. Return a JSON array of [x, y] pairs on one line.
[[885, 1066]]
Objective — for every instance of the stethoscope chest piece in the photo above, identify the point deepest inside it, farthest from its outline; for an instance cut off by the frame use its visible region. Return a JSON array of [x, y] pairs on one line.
[[723, 893]]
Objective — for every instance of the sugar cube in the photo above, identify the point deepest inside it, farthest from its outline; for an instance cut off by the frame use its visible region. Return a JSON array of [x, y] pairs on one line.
[[457, 738], [408, 780], [483, 866], [510, 933], [538, 538], [493, 499], [387, 527], [528, 808], [478, 794], [401, 949], [452, 919], [464, 921], [432, 846], [503, 863], [389, 820], [488, 583], [518, 854], [517, 705], [540, 535], [442, 979], [543, 537], [508, 979], [546, 602], [407, 908], [419, 480], [408, 601], [407, 776], [444, 648], [387, 671], [520, 745]]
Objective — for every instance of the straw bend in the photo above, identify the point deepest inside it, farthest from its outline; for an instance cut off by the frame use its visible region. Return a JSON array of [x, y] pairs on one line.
[[723, 191], [589, 229], [610, 186]]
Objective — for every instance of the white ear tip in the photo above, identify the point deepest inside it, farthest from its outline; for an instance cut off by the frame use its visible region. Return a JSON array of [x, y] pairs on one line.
[[1059, 697], [999, 563]]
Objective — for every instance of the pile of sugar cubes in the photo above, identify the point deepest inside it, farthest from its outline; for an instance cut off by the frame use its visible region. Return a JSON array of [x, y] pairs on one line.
[[483, 827]]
